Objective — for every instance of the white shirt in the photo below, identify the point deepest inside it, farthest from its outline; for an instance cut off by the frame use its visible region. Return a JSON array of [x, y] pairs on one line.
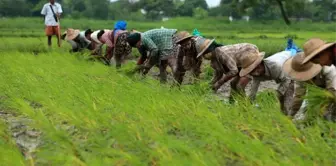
[[273, 71], [49, 16], [279, 58]]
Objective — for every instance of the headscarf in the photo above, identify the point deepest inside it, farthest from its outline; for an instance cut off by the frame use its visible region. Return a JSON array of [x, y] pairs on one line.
[[119, 25]]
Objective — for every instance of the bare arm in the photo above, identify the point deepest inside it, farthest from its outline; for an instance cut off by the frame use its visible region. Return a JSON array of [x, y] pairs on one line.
[[218, 73], [300, 91], [254, 89], [43, 12], [108, 54], [231, 65]]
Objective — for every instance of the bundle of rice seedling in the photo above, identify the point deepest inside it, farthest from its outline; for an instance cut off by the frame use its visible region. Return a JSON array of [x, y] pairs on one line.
[[320, 102]]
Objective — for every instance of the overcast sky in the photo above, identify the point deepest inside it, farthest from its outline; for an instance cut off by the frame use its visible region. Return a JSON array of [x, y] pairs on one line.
[[211, 3]]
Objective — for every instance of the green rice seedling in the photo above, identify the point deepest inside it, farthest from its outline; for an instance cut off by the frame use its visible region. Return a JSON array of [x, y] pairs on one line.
[[319, 102], [9, 152], [91, 114]]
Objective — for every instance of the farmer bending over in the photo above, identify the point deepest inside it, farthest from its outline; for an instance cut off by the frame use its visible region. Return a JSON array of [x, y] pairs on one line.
[[270, 69], [116, 42], [79, 40], [161, 43], [320, 52], [52, 12], [311, 73], [227, 62], [187, 56]]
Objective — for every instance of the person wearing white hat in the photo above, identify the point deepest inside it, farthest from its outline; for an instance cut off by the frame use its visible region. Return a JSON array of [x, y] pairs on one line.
[[270, 69]]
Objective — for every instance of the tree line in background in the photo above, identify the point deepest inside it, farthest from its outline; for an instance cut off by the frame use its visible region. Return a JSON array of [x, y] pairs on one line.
[[141, 10]]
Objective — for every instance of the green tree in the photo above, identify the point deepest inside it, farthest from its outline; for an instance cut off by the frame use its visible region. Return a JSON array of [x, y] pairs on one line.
[[14, 8], [97, 9], [200, 13], [124, 10], [325, 10], [286, 6], [156, 9], [187, 8]]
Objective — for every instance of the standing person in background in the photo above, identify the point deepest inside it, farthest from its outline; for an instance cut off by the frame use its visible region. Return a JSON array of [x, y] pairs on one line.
[[52, 12]]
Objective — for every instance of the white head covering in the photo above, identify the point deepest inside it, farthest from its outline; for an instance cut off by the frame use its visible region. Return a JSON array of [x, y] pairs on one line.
[[94, 36]]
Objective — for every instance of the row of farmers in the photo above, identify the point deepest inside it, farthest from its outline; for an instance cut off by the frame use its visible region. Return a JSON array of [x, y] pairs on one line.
[[238, 63]]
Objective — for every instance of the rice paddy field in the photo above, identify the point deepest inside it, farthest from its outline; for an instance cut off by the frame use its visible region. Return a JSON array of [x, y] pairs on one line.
[[58, 108]]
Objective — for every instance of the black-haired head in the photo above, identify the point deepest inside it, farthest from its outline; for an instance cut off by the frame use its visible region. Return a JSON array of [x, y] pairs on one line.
[[100, 33], [133, 39], [213, 46], [88, 32]]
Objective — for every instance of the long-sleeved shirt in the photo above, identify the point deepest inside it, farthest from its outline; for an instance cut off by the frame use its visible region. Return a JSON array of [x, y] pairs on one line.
[[108, 39], [229, 58], [325, 79], [273, 71], [157, 40]]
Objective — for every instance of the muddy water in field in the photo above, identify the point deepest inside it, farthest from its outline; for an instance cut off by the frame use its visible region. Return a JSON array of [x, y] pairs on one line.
[[27, 138]]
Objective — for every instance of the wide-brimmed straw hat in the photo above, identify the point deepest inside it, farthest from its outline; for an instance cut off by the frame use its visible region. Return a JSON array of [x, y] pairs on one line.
[[94, 37], [202, 44], [183, 35], [250, 62], [71, 34], [299, 71], [313, 47]]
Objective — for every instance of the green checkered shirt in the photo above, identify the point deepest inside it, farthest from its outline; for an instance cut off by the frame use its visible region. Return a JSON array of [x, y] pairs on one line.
[[160, 39]]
